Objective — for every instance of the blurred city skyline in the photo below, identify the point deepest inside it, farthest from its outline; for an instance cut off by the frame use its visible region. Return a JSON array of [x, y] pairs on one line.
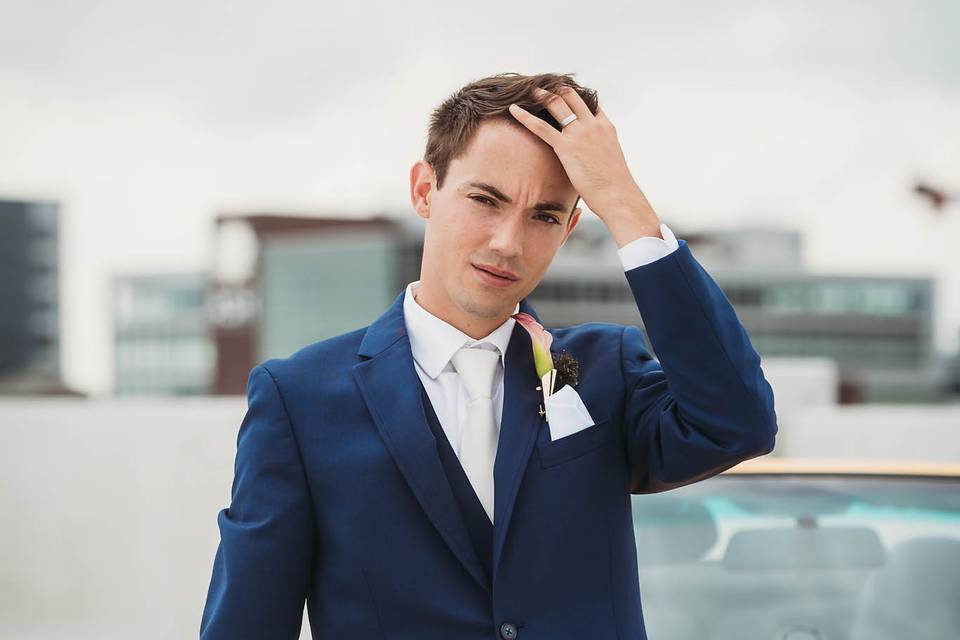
[[145, 121]]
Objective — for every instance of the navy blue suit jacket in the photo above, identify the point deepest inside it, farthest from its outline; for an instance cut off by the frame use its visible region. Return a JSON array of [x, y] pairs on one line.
[[339, 497]]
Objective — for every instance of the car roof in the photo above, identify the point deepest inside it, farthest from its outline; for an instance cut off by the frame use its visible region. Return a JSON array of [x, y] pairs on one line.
[[773, 465]]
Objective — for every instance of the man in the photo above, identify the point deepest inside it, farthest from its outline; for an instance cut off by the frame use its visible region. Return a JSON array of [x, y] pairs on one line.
[[401, 477]]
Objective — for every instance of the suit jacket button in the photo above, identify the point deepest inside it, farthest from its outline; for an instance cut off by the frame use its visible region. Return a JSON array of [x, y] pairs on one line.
[[508, 631]]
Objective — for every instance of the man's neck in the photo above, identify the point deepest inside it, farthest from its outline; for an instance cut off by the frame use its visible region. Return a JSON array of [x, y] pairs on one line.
[[473, 326]]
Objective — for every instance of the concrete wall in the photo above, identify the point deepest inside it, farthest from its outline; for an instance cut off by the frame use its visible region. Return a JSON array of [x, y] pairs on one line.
[[873, 432], [109, 514]]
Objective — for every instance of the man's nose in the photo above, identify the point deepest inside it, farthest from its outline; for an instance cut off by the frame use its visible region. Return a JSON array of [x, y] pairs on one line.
[[507, 236]]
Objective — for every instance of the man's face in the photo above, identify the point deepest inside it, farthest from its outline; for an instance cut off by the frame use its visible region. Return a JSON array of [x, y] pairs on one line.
[[506, 204]]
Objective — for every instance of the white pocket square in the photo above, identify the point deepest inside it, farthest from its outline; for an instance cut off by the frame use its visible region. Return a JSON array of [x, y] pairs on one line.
[[566, 413]]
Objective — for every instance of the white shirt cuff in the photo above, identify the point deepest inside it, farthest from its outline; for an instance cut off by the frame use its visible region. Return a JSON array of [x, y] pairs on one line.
[[647, 249]]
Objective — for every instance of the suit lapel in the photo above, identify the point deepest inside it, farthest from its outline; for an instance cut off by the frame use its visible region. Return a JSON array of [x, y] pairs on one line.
[[389, 386], [519, 425], [388, 383]]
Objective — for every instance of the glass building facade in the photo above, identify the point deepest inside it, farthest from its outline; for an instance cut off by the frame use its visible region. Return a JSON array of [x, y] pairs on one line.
[[162, 344], [863, 321], [29, 289], [318, 286]]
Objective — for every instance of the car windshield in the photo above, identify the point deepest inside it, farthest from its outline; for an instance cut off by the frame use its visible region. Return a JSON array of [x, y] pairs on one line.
[[792, 557]]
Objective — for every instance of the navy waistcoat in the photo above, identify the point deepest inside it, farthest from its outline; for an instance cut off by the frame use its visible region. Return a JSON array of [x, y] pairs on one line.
[[478, 524]]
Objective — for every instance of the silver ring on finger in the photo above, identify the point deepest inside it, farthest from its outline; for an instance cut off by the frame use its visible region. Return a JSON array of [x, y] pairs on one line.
[[570, 118]]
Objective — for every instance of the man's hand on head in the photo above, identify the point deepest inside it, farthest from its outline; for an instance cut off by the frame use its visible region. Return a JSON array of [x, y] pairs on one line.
[[594, 162]]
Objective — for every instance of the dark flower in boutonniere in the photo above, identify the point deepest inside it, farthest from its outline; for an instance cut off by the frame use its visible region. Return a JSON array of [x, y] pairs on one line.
[[568, 369], [565, 369]]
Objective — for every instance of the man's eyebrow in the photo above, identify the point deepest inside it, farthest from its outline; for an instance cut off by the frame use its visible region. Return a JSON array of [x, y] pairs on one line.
[[499, 195]]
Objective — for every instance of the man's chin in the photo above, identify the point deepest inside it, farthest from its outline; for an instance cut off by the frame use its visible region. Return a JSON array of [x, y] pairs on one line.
[[488, 304]]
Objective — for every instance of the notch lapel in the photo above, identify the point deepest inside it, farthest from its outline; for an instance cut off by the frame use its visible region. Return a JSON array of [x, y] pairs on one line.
[[389, 385], [519, 424]]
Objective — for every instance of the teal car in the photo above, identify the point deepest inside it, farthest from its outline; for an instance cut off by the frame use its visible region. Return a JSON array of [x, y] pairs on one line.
[[776, 549]]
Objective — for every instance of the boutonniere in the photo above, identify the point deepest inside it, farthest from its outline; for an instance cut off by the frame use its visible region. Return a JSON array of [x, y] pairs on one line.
[[553, 369]]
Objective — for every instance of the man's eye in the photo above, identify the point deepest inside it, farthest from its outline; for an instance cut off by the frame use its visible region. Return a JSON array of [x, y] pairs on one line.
[[482, 200], [550, 219], [490, 203]]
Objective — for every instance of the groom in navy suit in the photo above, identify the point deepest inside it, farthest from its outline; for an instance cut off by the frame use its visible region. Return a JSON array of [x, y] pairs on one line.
[[402, 492]]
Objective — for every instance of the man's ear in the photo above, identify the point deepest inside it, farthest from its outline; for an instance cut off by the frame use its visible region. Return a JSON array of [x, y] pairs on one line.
[[574, 219], [422, 179]]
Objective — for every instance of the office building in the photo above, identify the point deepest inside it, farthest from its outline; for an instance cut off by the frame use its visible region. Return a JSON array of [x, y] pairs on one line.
[[30, 293], [162, 341]]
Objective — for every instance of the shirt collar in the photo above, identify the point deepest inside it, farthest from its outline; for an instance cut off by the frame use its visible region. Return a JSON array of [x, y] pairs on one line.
[[434, 341]]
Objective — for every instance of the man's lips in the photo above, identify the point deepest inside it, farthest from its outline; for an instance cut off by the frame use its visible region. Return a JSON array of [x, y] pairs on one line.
[[509, 275]]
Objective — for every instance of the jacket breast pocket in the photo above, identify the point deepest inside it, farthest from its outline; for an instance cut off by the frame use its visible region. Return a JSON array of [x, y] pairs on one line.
[[554, 452]]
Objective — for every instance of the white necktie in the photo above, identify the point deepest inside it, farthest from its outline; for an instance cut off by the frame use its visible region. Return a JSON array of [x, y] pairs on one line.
[[478, 449]]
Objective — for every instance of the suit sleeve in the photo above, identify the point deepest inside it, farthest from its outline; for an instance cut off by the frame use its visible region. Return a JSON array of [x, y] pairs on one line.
[[261, 571], [706, 405]]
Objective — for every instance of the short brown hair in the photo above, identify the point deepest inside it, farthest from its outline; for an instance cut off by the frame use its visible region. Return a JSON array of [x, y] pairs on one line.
[[454, 123]]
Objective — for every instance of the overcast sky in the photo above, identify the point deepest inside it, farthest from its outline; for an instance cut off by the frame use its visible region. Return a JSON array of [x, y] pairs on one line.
[[144, 119]]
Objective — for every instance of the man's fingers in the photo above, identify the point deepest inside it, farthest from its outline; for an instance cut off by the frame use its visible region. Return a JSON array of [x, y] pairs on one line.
[[556, 105], [575, 102], [537, 125]]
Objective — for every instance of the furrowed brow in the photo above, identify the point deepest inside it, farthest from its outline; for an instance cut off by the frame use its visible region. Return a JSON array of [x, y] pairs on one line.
[[499, 195]]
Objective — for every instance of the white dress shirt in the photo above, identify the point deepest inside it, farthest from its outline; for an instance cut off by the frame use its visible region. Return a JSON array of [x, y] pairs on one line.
[[433, 342]]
